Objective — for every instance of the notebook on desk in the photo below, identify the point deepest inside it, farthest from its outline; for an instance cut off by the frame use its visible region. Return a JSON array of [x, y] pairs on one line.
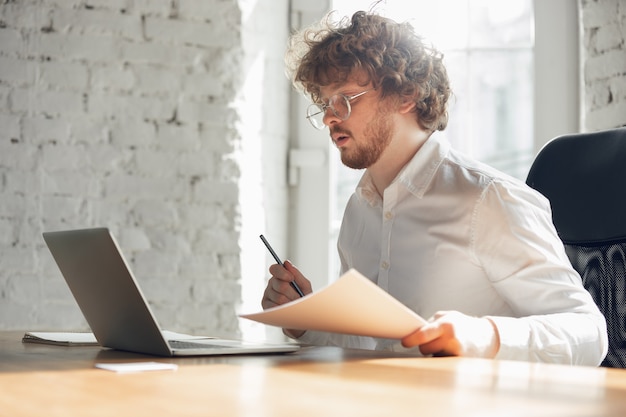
[[113, 305]]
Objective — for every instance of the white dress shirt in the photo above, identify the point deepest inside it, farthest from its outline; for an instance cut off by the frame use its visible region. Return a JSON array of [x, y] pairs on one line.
[[451, 233]]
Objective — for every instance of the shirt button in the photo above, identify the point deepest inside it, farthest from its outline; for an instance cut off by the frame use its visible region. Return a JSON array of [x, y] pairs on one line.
[[388, 215], [385, 265]]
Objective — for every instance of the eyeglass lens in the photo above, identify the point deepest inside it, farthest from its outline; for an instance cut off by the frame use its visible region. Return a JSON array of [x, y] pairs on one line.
[[338, 104]]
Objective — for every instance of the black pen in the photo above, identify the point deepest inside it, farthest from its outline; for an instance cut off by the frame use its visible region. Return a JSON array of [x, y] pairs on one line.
[[293, 283]]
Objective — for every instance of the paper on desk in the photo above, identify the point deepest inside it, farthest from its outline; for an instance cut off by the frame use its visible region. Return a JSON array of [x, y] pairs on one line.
[[137, 366], [351, 305], [61, 338], [88, 339]]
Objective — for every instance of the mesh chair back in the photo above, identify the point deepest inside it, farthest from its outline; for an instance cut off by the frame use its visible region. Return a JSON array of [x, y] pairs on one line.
[[603, 269], [584, 177]]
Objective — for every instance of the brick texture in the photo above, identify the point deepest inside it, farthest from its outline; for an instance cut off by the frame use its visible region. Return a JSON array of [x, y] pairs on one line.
[[148, 117], [604, 63]]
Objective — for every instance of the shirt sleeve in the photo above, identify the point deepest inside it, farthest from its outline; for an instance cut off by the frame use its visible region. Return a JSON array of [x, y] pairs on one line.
[[515, 242]]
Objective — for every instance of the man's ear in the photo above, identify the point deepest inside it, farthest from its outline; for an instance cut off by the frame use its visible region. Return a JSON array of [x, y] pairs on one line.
[[407, 104]]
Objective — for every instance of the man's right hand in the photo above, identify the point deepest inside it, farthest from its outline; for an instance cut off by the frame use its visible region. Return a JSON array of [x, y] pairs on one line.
[[280, 291]]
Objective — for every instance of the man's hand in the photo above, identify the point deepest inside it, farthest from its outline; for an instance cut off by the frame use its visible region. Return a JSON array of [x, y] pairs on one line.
[[279, 290], [450, 333]]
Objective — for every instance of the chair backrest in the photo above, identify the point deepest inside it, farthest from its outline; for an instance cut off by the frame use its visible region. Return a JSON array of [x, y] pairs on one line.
[[584, 178]]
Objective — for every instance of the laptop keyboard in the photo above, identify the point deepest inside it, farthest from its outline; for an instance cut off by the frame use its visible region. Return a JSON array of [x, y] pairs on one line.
[[180, 344]]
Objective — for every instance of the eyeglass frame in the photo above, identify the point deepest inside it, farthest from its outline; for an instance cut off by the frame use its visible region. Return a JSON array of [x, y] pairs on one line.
[[323, 106]]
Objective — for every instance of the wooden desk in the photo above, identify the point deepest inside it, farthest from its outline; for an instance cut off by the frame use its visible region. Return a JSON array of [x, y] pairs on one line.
[[318, 381]]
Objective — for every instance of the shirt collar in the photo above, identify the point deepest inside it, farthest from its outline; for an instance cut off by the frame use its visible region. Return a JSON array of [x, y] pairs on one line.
[[365, 189], [416, 174]]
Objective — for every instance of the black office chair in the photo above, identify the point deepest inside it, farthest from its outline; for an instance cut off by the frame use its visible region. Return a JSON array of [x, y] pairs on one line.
[[584, 177]]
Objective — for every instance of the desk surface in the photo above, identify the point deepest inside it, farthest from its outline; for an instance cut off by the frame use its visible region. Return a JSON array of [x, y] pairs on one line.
[[316, 381]]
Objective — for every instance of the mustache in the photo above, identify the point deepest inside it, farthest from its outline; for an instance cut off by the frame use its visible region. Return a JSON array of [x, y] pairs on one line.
[[339, 130]]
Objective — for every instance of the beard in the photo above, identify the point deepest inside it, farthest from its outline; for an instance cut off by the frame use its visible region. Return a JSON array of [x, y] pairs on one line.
[[376, 137]]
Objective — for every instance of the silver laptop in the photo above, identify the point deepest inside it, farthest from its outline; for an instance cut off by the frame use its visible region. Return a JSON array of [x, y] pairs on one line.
[[113, 305]]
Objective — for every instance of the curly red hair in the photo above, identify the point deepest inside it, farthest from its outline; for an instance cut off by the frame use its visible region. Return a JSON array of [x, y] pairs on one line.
[[393, 57]]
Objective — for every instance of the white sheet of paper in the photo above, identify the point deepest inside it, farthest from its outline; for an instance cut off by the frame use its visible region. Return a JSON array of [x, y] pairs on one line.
[[69, 338], [88, 339], [351, 305], [137, 366]]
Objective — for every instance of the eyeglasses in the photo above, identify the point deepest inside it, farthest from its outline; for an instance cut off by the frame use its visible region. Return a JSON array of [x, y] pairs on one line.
[[339, 104]]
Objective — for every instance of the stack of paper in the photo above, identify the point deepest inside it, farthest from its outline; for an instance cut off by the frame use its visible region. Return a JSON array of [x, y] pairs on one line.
[[61, 338]]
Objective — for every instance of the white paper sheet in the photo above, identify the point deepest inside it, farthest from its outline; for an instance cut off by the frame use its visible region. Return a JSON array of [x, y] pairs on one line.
[[88, 339], [61, 338], [351, 305], [137, 366]]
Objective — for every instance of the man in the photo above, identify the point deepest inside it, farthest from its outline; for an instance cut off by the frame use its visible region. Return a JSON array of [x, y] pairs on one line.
[[453, 239]]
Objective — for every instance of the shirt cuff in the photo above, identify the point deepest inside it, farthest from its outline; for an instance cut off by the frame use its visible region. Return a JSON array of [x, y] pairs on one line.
[[514, 337]]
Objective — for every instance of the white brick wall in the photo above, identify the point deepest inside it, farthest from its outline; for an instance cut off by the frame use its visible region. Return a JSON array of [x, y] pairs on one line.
[[151, 118], [604, 63]]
